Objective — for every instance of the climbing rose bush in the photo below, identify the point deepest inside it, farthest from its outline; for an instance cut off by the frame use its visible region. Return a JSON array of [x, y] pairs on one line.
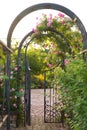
[[59, 36]]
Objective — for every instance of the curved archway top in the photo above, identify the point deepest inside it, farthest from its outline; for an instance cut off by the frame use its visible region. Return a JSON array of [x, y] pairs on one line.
[[37, 35], [45, 29], [47, 6]]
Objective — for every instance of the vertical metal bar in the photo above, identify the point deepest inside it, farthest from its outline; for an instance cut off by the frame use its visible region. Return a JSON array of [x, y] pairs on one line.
[[25, 96], [18, 98], [44, 96], [53, 99], [50, 103], [29, 99], [8, 89], [28, 90], [55, 102]]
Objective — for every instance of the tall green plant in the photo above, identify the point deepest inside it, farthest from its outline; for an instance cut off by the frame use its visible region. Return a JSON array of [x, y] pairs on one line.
[[73, 82]]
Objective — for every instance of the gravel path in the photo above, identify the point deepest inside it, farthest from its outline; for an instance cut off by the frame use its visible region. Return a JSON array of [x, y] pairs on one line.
[[37, 102]]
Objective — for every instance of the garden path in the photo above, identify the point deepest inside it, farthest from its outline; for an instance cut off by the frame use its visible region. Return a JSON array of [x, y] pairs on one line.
[[37, 113]]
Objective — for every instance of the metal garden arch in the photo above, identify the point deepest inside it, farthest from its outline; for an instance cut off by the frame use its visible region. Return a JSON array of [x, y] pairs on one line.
[[28, 11]]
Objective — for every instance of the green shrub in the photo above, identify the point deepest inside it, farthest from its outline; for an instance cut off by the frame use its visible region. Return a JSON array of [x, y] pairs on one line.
[[73, 82]]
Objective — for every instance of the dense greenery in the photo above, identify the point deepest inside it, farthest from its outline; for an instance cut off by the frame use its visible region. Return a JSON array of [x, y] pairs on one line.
[[73, 85], [36, 58]]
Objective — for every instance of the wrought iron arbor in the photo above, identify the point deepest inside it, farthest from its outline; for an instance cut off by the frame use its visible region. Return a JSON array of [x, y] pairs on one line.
[[9, 37]]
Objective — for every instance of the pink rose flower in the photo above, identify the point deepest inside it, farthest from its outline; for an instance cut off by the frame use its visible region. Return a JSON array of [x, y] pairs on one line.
[[36, 18], [48, 22], [16, 68], [66, 62], [50, 65], [61, 15], [14, 105], [63, 22], [34, 30]]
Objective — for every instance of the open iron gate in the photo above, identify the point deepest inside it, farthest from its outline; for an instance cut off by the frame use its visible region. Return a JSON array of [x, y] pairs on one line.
[[52, 113], [51, 102]]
